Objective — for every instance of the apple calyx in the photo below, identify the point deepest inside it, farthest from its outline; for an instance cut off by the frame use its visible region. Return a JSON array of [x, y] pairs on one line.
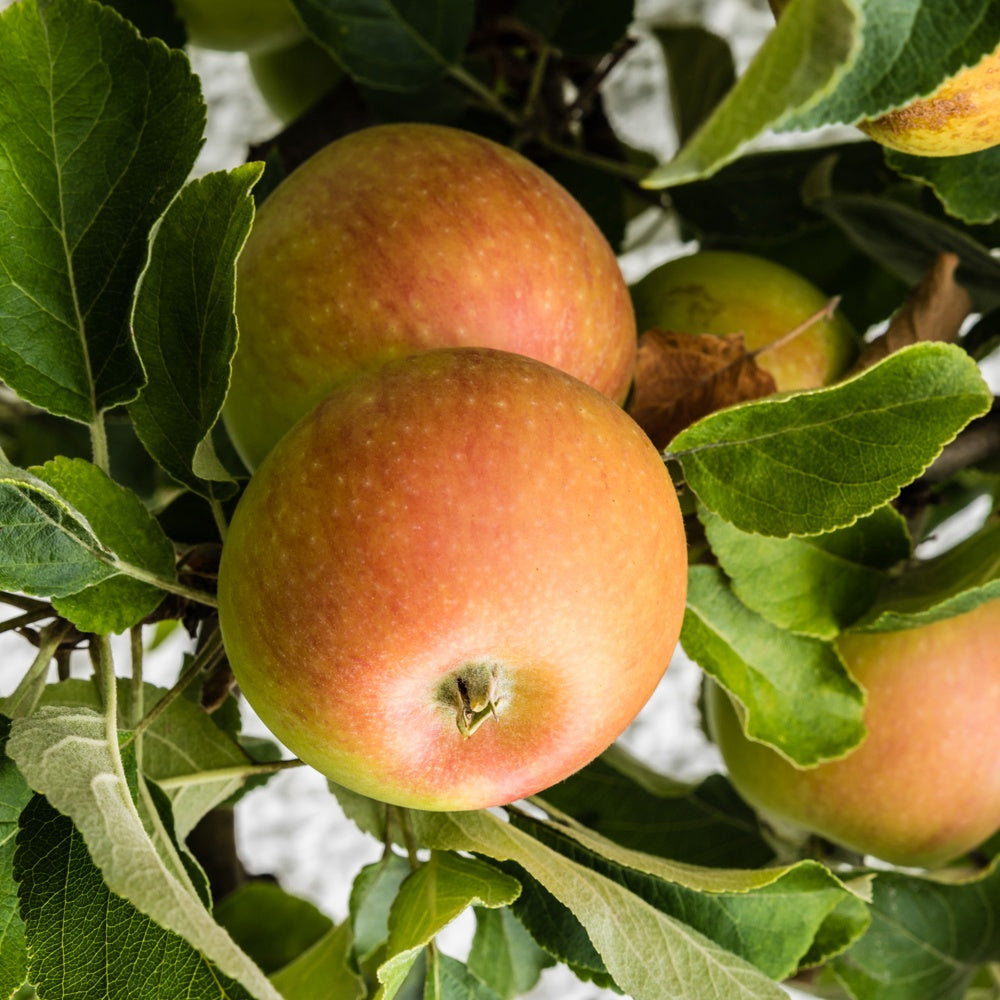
[[472, 691]]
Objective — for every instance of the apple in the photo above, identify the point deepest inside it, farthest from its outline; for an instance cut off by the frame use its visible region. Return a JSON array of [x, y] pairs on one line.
[[961, 116], [403, 237], [924, 786], [240, 25], [721, 292], [291, 80], [455, 581]]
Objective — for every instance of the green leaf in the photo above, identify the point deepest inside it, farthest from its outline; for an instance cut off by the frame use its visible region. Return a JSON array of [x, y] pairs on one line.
[[449, 979], [503, 953], [323, 971], [906, 241], [123, 527], [183, 750], [926, 938], [799, 63], [968, 186], [185, 329], [811, 462], [907, 50], [428, 900], [67, 526], [14, 796], [46, 547], [623, 800], [578, 27], [778, 918], [372, 894], [949, 584], [797, 693], [292, 924], [555, 928], [154, 19], [86, 941], [702, 72], [71, 757], [98, 129], [813, 586], [649, 954], [391, 44]]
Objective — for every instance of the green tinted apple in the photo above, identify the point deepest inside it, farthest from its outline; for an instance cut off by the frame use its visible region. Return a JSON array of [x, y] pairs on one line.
[[240, 25], [722, 292], [291, 80], [455, 581]]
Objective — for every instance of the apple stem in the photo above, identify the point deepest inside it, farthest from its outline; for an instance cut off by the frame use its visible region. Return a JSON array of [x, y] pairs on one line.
[[825, 313], [472, 692]]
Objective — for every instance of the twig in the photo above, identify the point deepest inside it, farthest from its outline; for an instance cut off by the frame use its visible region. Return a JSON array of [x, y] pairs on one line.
[[205, 658]]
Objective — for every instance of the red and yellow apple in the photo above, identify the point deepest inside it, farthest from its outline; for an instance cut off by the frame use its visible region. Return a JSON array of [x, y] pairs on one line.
[[240, 25], [961, 116], [455, 581], [924, 785], [722, 292], [403, 237]]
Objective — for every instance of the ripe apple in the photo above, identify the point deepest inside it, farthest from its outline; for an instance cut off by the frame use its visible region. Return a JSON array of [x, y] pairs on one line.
[[924, 786], [240, 25], [961, 116], [403, 237], [291, 80], [721, 292], [455, 581]]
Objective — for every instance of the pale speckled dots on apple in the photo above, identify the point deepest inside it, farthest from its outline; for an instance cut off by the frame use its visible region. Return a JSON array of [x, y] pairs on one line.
[[522, 520]]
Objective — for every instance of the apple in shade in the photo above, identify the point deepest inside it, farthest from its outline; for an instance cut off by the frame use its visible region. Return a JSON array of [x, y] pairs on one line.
[[924, 786], [291, 80], [722, 292], [404, 237], [455, 581], [240, 25]]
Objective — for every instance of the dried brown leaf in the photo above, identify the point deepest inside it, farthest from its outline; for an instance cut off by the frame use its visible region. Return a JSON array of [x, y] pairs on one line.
[[934, 310], [681, 378]]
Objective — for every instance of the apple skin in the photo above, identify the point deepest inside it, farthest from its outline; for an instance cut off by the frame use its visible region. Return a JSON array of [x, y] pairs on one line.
[[721, 292], [924, 786], [240, 25], [403, 237], [291, 80], [961, 116], [455, 512]]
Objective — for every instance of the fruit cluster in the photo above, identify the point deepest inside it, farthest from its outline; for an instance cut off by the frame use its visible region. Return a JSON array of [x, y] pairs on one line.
[[476, 557]]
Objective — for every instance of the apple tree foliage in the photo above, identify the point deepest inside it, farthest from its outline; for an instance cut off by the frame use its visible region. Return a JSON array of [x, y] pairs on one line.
[[806, 512]]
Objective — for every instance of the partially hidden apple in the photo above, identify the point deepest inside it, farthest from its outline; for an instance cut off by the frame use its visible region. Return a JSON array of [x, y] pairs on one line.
[[291, 80], [961, 116], [240, 25], [455, 581], [721, 292], [403, 237], [924, 786]]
